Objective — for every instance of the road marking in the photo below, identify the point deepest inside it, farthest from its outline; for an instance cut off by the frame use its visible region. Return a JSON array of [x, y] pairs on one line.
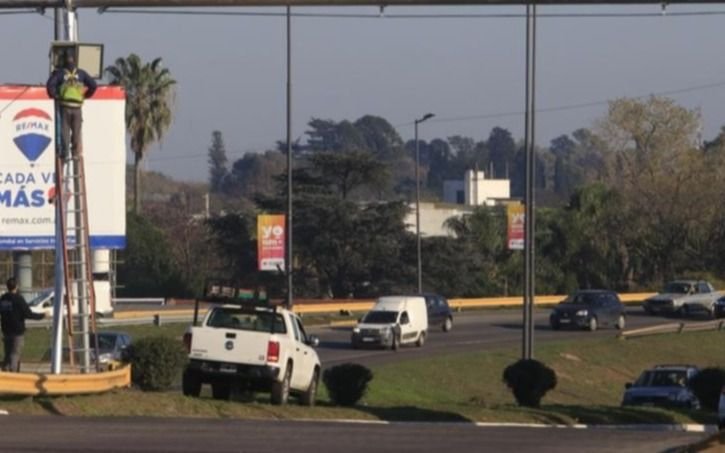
[[4, 412], [689, 428]]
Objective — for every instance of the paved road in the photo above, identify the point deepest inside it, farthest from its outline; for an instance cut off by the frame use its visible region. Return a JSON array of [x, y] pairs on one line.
[[472, 331], [69, 434]]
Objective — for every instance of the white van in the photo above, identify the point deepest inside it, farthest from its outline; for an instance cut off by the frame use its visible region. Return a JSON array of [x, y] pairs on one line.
[[392, 322]]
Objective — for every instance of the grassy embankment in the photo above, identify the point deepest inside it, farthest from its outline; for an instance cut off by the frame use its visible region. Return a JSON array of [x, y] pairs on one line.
[[459, 387]]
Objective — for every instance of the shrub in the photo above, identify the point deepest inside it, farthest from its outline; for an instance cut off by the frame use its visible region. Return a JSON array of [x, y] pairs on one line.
[[156, 362], [347, 383], [707, 385], [529, 380]]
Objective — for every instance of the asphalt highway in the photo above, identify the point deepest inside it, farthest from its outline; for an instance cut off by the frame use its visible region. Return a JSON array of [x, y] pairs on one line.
[[472, 331], [149, 435]]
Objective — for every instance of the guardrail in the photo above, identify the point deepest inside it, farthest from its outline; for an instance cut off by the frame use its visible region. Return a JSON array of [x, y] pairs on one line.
[[33, 384], [138, 301], [673, 327]]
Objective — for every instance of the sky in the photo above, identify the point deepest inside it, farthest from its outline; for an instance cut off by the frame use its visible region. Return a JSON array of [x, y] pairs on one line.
[[231, 70]]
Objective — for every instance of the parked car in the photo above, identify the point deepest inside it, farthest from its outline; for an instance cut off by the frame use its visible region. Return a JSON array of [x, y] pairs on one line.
[[439, 312], [392, 322], [719, 308], [589, 309], [251, 346], [664, 385], [721, 410], [683, 297], [112, 347], [43, 302]]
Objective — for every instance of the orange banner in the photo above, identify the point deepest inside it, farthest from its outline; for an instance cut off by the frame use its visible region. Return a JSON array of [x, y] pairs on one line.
[[515, 226], [270, 242]]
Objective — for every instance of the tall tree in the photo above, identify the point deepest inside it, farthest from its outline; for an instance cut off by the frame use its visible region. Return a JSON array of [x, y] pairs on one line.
[[502, 150], [217, 162], [149, 99]]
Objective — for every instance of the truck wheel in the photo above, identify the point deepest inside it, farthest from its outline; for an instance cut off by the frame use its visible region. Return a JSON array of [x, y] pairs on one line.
[[191, 383], [593, 324], [280, 390], [621, 322], [308, 398], [421, 340], [220, 390], [448, 325]]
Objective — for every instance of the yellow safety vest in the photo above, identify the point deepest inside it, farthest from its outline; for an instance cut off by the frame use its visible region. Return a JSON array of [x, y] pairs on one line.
[[71, 91]]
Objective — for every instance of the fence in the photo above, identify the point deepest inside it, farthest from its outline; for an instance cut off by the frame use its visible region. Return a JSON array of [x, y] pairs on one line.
[[674, 327]]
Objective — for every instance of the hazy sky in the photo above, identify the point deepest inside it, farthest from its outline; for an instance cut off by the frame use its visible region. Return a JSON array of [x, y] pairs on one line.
[[231, 70]]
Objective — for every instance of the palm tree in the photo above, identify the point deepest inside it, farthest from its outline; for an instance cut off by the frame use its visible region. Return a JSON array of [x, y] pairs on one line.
[[149, 100]]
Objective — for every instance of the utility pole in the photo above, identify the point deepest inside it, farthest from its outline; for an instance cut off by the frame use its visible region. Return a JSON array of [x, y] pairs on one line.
[[417, 202], [288, 261], [529, 196]]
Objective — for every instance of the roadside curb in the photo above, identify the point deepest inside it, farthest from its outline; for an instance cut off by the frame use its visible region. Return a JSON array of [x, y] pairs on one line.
[[688, 428]]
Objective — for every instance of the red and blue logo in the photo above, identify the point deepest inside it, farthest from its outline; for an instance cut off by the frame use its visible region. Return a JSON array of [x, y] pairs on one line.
[[33, 132]]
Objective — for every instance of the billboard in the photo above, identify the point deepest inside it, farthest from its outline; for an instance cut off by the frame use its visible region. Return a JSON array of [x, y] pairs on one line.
[[270, 242], [516, 228], [27, 170]]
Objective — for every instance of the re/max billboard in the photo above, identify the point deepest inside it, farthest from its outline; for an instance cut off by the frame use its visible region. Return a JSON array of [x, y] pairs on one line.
[[27, 168]]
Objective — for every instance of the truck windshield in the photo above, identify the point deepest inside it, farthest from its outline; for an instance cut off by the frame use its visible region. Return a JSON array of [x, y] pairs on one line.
[[237, 319], [677, 288], [381, 317]]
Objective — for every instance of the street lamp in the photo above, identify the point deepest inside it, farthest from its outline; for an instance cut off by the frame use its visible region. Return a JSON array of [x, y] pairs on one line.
[[427, 116]]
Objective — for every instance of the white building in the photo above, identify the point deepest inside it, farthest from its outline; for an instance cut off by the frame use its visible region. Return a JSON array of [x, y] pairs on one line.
[[433, 217], [476, 190]]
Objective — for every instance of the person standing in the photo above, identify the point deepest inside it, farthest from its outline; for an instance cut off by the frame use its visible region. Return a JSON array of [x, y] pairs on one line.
[[14, 311], [70, 86]]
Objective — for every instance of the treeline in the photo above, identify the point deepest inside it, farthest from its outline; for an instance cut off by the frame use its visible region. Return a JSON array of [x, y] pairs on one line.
[[631, 203]]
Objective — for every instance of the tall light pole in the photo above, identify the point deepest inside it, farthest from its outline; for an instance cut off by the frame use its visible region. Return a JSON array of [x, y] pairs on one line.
[[427, 116], [288, 263]]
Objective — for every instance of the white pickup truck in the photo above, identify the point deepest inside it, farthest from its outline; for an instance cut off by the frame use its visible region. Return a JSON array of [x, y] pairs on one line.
[[249, 347]]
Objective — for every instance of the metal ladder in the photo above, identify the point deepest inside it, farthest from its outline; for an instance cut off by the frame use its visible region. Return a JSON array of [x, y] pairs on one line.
[[80, 327]]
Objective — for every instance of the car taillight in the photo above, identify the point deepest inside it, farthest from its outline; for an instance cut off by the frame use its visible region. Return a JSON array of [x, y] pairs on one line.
[[187, 341], [273, 351]]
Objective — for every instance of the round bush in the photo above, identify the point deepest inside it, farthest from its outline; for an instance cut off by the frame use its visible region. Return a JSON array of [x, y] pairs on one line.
[[347, 383], [156, 362], [529, 380], [707, 385]]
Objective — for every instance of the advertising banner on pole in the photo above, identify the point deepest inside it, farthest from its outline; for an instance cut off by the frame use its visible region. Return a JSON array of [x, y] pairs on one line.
[[27, 168], [270, 242], [515, 226]]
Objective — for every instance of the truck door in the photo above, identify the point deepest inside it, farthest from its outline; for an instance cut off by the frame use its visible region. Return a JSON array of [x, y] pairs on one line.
[[304, 362]]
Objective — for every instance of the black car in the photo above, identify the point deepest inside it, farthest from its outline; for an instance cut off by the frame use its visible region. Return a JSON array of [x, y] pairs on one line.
[[589, 309], [439, 312]]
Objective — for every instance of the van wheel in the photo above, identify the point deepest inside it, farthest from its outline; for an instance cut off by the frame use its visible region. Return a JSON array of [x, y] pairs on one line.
[[308, 398], [191, 383], [421, 340], [621, 322], [593, 325], [221, 390], [280, 390], [448, 325]]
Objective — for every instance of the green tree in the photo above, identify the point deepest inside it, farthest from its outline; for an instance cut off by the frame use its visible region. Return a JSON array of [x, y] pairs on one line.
[[217, 162], [147, 267], [149, 97]]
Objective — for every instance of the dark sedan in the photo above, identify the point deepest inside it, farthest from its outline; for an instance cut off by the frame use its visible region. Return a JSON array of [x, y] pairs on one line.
[[589, 309], [718, 310]]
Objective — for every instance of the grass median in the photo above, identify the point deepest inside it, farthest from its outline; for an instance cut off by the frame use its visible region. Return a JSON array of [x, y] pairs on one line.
[[458, 387]]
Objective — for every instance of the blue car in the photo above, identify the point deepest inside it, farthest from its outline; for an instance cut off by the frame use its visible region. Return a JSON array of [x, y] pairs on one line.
[[664, 386], [439, 312], [719, 308]]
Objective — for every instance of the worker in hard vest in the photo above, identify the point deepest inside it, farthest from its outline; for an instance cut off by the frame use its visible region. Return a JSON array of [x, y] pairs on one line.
[[70, 86]]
